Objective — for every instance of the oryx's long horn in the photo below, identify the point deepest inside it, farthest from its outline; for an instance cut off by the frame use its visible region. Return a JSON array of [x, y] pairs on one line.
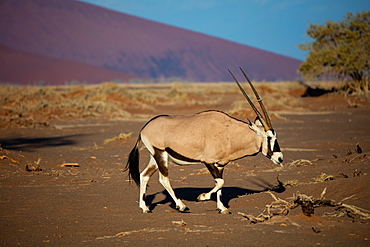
[[251, 103], [267, 118]]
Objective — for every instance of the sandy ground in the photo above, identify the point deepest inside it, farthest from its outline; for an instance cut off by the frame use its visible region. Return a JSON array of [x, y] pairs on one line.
[[92, 203]]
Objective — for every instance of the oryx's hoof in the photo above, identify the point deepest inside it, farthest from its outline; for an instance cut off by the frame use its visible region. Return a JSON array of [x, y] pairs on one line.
[[224, 211], [146, 210], [203, 197], [183, 210]]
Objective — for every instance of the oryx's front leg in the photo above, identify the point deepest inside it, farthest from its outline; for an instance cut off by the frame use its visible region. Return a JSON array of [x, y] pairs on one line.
[[144, 178], [216, 171]]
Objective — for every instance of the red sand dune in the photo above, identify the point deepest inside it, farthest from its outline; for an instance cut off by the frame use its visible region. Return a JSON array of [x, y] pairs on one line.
[[27, 68], [84, 33]]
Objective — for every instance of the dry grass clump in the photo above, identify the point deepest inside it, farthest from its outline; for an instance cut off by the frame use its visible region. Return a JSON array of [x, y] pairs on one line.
[[121, 136]]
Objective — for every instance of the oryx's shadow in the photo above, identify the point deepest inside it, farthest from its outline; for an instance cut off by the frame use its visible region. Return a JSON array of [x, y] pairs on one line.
[[228, 193]]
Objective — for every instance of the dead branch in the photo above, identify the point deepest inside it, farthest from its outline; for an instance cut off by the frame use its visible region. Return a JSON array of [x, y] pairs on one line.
[[308, 205]]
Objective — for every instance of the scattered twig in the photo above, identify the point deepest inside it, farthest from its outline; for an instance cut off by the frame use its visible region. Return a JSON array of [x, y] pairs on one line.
[[356, 173], [298, 163], [122, 234], [347, 198], [277, 207], [323, 194], [179, 222], [352, 159], [2, 157], [70, 165], [315, 230]]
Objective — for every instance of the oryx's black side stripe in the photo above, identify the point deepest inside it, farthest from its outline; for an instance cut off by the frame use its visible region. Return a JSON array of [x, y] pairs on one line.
[[178, 156]]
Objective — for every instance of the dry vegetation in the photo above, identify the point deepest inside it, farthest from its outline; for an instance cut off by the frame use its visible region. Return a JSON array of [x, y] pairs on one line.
[[30, 106], [33, 106]]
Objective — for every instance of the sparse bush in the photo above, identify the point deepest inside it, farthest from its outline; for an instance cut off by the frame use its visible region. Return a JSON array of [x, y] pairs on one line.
[[340, 50]]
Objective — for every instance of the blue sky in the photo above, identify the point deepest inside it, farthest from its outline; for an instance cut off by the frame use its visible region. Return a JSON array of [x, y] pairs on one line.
[[272, 25]]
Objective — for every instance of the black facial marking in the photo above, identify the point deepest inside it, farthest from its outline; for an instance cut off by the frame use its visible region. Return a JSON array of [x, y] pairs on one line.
[[269, 151], [276, 147]]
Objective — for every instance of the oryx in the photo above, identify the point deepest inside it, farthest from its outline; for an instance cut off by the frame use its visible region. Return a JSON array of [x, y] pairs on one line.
[[212, 138]]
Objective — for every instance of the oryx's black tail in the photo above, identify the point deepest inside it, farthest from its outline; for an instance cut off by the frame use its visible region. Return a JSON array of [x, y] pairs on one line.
[[133, 163]]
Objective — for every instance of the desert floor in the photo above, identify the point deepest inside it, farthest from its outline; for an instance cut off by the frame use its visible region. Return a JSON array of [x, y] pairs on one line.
[[62, 185]]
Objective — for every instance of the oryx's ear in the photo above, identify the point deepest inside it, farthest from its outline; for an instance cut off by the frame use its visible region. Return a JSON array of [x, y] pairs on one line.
[[256, 128], [258, 122]]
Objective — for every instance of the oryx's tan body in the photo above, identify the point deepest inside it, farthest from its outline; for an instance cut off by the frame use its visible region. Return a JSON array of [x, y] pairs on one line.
[[211, 137]]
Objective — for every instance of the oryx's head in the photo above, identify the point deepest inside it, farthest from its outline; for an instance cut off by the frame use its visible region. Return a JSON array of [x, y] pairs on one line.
[[262, 126], [270, 146]]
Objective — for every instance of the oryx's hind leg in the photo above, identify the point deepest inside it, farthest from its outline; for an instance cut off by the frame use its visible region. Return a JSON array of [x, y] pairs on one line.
[[144, 178], [162, 160], [216, 171]]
